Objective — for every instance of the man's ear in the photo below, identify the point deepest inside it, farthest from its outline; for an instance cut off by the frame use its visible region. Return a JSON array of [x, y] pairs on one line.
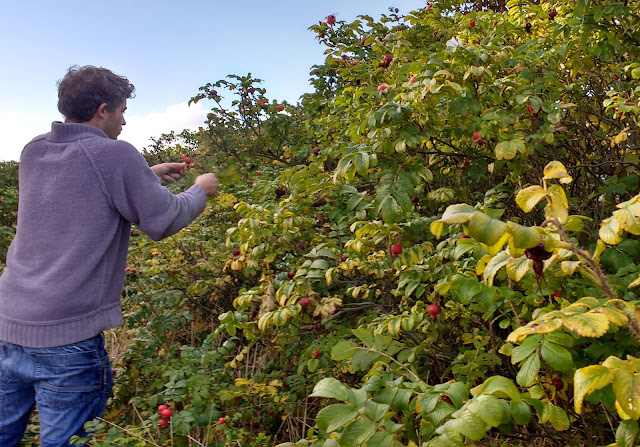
[[102, 110]]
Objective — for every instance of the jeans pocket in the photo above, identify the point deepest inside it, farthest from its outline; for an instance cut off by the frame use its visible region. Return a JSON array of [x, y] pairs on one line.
[[68, 379]]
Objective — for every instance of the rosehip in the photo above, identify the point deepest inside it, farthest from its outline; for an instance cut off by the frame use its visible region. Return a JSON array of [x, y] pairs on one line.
[[315, 354], [434, 309], [236, 251], [557, 383], [161, 408], [163, 422], [331, 19], [304, 302], [556, 294], [167, 413], [315, 150], [382, 88], [472, 23], [413, 79], [280, 108], [396, 249], [446, 399], [222, 421], [464, 236], [388, 58]]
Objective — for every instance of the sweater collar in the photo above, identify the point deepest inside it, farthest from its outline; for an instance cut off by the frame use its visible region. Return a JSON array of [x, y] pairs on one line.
[[67, 132]]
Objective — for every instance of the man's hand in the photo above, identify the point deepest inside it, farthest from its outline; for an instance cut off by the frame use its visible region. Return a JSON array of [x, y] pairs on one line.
[[169, 172]]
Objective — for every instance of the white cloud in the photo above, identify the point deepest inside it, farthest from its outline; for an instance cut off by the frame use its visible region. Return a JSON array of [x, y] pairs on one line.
[[139, 129], [18, 129]]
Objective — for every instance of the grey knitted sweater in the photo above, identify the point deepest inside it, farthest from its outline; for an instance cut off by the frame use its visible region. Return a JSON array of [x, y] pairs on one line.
[[79, 192]]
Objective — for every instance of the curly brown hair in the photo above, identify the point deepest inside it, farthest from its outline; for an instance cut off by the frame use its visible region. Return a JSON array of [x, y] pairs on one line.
[[83, 89]]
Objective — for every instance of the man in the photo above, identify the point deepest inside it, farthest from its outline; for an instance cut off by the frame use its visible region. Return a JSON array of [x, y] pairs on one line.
[[80, 189]]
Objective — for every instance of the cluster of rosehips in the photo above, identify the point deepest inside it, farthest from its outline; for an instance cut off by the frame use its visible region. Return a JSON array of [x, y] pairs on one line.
[[187, 160], [166, 414], [386, 61], [130, 271]]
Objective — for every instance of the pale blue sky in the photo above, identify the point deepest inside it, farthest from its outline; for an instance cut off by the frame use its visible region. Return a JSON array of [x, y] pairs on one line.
[[167, 49]]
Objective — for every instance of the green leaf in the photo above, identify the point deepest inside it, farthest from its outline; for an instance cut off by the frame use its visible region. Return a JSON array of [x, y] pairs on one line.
[[375, 411], [527, 347], [587, 380], [457, 214], [486, 229], [498, 386], [627, 433], [390, 210], [556, 356], [556, 416], [520, 412], [343, 350], [507, 150], [529, 370], [331, 388], [468, 425], [380, 439], [523, 237], [488, 408], [357, 433], [334, 416]]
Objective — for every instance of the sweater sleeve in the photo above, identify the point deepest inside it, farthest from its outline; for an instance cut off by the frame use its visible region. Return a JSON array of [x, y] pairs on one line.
[[136, 193]]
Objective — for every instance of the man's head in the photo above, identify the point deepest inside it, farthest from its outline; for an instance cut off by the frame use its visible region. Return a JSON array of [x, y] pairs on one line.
[[94, 96]]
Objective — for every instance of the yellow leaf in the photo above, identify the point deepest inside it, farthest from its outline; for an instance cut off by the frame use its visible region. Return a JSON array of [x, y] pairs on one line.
[[587, 380], [569, 267], [518, 267], [542, 326], [529, 197], [242, 382], [635, 283], [436, 228], [556, 170], [482, 264], [628, 216], [590, 324]]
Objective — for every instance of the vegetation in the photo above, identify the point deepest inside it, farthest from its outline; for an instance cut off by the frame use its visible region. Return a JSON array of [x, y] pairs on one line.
[[437, 247]]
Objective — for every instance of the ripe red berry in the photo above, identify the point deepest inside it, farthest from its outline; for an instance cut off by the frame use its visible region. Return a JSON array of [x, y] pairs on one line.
[[186, 159], [446, 399], [434, 309], [213, 92], [163, 422], [413, 79], [415, 200], [221, 421], [315, 150], [396, 249], [236, 251], [472, 23], [161, 408], [464, 236], [556, 294], [259, 172], [280, 108], [476, 136], [388, 58], [382, 88], [304, 302], [134, 233], [315, 354], [167, 413], [331, 19], [557, 383], [429, 6], [530, 107]]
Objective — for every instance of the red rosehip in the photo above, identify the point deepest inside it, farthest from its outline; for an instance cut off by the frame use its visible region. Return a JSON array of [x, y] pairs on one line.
[[556, 294], [429, 6], [163, 422], [382, 88], [472, 23], [530, 107], [434, 309], [134, 233], [280, 108], [446, 399], [161, 408], [259, 172], [315, 354], [396, 249], [315, 150], [331, 19], [221, 421], [186, 159], [304, 302], [388, 58], [415, 200], [213, 92], [557, 383], [236, 251], [167, 413], [476, 136], [464, 236]]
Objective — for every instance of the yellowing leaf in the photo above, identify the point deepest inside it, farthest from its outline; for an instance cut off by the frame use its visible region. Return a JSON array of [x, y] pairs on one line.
[[518, 267], [556, 170], [590, 324], [523, 237], [493, 266], [628, 216], [485, 229], [587, 380], [457, 214], [436, 228], [569, 267], [635, 283], [529, 197], [556, 209], [626, 387], [543, 326]]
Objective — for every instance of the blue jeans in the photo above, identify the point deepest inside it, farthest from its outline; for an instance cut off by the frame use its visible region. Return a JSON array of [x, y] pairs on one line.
[[70, 384]]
